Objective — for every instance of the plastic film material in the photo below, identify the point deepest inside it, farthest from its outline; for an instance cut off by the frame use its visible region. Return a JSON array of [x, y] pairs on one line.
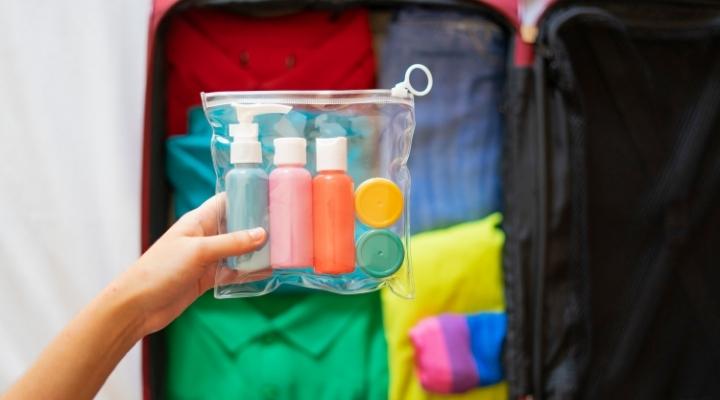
[[315, 148]]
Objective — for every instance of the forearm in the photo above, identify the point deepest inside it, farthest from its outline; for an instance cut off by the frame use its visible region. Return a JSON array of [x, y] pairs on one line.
[[178, 268], [78, 361]]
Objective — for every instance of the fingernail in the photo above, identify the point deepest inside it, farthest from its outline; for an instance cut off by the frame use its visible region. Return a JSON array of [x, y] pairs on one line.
[[256, 233]]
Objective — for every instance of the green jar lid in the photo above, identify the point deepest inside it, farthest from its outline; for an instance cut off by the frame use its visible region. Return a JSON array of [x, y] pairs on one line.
[[380, 253]]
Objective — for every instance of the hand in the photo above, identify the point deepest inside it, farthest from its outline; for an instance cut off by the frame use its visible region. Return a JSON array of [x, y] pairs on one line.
[[177, 269], [180, 266]]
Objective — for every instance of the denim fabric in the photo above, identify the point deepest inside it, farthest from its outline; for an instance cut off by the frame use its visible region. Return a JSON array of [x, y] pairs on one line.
[[455, 158]]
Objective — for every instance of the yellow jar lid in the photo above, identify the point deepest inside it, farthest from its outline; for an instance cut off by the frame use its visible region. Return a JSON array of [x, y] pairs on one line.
[[378, 202]]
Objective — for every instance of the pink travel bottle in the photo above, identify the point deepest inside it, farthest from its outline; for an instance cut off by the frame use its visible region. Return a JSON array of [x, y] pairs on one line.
[[290, 186]]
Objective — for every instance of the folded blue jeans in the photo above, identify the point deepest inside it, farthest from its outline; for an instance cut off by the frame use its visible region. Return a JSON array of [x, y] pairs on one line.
[[455, 162]]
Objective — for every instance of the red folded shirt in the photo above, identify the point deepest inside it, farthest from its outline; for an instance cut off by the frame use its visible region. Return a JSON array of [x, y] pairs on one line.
[[215, 50]]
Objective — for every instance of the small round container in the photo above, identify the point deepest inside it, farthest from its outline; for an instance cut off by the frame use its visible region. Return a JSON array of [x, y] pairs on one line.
[[380, 253], [378, 202]]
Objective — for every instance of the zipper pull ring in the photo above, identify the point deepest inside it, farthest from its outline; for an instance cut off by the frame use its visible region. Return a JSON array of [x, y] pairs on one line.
[[404, 89]]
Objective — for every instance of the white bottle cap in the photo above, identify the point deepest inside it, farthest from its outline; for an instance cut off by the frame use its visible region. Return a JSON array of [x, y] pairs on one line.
[[244, 131], [245, 147], [331, 154], [290, 150], [245, 152]]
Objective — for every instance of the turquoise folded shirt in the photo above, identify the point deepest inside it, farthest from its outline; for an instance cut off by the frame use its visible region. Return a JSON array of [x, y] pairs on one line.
[[189, 164]]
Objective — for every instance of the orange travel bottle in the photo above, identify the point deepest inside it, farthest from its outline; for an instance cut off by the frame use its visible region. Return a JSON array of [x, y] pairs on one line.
[[333, 209]]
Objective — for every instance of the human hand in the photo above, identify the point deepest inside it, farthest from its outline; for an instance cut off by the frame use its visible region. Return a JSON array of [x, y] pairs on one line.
[[177, 269], [180, 265]]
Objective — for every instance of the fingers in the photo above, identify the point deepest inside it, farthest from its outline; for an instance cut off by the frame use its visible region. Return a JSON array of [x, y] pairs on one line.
[[204, 220], [209, 213], [213, 248]]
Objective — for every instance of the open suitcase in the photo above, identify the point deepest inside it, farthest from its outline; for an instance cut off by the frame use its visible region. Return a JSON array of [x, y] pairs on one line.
[[611, 176]]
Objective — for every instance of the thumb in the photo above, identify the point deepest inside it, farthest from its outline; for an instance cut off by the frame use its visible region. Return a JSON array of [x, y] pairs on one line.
[[213, 248]]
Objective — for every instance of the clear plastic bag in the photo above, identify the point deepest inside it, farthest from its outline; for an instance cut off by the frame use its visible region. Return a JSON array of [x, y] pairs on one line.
[[325, 174]]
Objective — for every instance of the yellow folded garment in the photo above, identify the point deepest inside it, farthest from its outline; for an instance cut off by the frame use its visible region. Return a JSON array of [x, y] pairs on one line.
[[456, 270]]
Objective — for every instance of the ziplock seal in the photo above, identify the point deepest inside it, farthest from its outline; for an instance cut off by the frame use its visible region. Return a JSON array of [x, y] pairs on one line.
[[302, 97], [401, 93]]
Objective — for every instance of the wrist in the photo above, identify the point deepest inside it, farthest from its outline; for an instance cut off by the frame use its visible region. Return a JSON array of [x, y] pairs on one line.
[[124, 309]]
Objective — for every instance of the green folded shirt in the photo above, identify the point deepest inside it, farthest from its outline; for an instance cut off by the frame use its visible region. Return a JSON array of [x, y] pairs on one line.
[[303, 346]]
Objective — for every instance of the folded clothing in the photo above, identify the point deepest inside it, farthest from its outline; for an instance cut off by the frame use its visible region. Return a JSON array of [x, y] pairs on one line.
[[457, 145], [302, 345], [455, 353], [189, 164], [217, 50], [215, 344], [313, 345], [456, 270]]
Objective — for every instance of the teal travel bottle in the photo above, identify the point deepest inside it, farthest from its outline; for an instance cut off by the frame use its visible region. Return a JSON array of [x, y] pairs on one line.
[[246, 184]]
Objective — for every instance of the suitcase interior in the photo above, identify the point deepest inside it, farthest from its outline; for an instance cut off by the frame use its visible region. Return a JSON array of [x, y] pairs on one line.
[[157, 196], [569, 270], [610, 170]]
